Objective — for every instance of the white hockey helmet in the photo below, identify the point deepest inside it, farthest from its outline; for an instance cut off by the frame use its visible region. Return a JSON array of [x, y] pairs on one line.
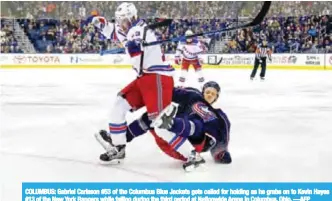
[[189, 33], [125, 11]]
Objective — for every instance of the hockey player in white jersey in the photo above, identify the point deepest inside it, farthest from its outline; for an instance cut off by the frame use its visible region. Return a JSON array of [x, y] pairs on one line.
[[153, 86], [187, 53]]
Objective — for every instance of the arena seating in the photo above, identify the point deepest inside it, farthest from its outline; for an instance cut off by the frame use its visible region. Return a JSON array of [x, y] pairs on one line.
[[70, 33]]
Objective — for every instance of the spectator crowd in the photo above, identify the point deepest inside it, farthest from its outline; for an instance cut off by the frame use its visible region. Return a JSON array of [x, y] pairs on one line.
[[61, 27], [7, 40]]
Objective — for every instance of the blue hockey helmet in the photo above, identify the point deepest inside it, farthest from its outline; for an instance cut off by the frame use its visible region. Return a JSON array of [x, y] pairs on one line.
[[212, 84]]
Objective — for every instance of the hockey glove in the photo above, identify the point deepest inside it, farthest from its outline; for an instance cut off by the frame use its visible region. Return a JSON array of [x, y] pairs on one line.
[[223, 157], [165, 119]]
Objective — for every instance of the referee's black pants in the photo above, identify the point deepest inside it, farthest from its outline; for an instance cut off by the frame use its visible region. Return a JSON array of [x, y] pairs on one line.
[[256, 65]]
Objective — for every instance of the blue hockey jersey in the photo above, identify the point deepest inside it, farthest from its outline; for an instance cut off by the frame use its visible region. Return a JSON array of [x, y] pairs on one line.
[[186, 97], [212, 126], [210, 121]]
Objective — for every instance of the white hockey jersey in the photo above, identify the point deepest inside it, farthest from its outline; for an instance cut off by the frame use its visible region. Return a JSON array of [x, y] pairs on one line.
[[153, 59], [189, 51]]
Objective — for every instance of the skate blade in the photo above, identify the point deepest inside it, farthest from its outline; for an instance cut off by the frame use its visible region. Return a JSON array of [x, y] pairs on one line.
[[193, 168], [112, 162], [190, 168]]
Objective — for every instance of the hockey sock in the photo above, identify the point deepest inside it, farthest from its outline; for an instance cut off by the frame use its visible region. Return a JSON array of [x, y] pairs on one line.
[[117, 128], [118, 124], [138, 128]]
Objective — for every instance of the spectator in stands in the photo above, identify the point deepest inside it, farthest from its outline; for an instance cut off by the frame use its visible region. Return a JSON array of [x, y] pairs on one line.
[[2, 49], [283, 33]]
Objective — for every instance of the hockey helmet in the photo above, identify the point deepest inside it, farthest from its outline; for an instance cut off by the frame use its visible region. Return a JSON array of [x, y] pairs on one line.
[[125, 13], [210, 95], [189, 33]]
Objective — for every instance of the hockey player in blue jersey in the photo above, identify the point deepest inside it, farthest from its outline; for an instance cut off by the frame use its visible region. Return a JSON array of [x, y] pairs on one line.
[[194, 120], [206, 128]]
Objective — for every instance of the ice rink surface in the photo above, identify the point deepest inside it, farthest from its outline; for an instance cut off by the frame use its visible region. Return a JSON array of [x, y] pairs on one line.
[[281, 128]]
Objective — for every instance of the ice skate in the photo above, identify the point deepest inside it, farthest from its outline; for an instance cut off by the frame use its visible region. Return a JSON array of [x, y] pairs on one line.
[[165, 119], [113, 154], [104, 139], [194, 161], [105, 136]]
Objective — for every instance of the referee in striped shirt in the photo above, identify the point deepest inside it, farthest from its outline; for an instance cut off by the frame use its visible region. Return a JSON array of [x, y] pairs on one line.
[[262, 52]]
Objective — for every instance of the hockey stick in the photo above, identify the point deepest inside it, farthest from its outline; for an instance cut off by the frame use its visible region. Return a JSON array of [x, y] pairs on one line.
[[163, 23], [258, 19], [218, 63], [142, 54]]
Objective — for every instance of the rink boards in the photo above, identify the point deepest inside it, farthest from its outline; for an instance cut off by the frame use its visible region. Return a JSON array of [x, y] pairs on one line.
[[176, 66], [222, 61]]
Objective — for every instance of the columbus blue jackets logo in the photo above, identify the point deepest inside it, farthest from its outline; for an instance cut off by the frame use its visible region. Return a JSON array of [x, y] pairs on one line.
[[203, 111]]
